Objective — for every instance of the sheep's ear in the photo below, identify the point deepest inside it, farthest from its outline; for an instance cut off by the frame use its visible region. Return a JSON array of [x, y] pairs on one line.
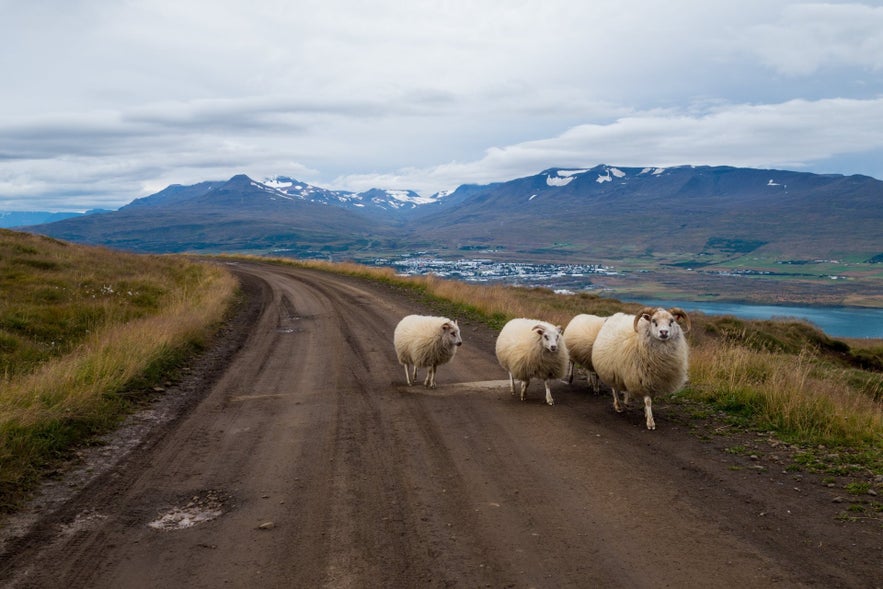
[[539, 329], [446, 326], [682, 318], [646, 313], [560, 329]]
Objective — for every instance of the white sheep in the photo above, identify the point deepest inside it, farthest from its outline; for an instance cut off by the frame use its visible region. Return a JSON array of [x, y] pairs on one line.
[[579, 336], [643, 354], [425, 341], [528, 348]]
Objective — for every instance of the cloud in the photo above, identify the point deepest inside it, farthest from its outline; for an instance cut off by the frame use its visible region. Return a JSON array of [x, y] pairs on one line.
[[106, 101], [126, 155], [793, 135], [812, 36]]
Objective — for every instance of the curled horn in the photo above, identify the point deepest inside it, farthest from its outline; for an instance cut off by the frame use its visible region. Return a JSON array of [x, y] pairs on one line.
[[680, 316], [645, 312]]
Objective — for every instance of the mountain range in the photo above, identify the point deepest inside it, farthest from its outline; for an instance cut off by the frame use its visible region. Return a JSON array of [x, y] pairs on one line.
[[604, 212]]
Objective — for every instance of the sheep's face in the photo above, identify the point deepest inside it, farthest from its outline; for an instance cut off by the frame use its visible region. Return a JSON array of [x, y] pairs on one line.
[[451, 333], [550, 338], [663, 325]]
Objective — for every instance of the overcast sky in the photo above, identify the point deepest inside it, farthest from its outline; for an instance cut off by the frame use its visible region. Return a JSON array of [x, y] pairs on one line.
[[105, 101]]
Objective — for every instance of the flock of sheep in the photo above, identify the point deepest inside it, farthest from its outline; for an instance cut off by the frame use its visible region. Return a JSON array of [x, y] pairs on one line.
[[641, 355]]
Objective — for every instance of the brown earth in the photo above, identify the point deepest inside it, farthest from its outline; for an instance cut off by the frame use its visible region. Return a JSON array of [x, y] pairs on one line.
[[293, 455]]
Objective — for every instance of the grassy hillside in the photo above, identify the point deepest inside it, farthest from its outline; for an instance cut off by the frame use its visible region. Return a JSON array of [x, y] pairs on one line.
[[82, 331]]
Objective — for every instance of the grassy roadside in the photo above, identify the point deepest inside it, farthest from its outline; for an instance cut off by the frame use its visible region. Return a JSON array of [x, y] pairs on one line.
[[82, 331], [784, 377]]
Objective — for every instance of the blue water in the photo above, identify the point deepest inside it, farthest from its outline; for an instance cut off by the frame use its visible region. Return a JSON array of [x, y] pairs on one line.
[[835, 321]]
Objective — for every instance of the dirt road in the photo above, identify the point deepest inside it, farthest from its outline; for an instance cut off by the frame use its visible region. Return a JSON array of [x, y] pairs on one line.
[[306, 462]]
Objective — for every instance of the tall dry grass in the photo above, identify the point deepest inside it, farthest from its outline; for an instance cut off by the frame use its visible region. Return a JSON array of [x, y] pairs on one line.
[[75, 391], [117, 353], [797, 395]]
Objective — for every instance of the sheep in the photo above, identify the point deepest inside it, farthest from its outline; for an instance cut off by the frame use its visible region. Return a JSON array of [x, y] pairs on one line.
[[423, 340], [579, 337], [529, 348], [643, 354]]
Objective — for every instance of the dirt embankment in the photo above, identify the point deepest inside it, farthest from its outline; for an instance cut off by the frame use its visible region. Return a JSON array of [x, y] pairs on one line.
[[294, 456]]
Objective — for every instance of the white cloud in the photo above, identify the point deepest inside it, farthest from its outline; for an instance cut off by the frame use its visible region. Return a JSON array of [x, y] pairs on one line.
[[793, 135], [811, 36], [105, 101]]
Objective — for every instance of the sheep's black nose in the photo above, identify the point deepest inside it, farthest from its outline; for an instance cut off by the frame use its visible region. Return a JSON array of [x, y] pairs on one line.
[[459, 343]]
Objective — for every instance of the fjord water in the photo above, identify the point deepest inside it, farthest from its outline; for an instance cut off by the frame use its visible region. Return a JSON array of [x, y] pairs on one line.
[[835, 321]]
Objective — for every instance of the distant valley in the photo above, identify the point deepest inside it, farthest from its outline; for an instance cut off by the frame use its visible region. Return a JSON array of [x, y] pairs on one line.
[[708, 232]]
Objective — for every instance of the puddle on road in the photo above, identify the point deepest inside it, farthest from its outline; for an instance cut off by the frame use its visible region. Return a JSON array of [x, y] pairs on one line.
[[199, 509], [83, 522]]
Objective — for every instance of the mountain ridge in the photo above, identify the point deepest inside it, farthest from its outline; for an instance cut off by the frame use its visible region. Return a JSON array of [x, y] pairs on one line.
[[571, 213]]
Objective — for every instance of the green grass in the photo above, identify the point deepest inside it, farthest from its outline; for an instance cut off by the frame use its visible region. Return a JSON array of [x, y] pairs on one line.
[[83, 333]]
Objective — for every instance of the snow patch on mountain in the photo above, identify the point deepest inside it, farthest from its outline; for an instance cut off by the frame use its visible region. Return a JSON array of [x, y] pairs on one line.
[[562, 177], [408, 197], [271, 190], [280, 184], [609, 174], [558, 181]]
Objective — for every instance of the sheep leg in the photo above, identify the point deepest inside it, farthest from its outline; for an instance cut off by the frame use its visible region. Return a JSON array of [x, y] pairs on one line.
[[648, 412], [511, 383], [414, 375], [549, 398], [408, 373], [570, 372], [430, 378], [593, 381], [524, 384], [616, 404]]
